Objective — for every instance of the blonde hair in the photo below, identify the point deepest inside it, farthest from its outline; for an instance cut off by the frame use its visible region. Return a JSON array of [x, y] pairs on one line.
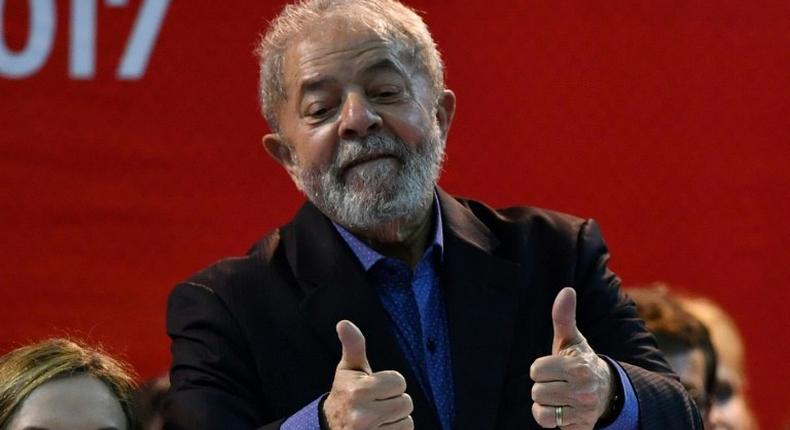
[[27, 368]]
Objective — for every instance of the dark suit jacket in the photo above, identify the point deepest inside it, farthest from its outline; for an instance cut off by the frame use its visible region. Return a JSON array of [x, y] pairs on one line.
[[253, 338]]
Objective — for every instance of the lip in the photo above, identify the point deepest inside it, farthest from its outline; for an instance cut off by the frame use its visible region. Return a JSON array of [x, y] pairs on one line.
[[366, 159]]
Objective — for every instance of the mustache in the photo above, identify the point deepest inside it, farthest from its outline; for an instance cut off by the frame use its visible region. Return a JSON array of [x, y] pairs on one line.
[[351, 152]]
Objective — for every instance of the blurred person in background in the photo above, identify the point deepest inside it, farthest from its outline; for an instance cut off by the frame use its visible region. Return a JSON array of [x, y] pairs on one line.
[[730, 408], [683, 339], [149, 399], [59, 384]]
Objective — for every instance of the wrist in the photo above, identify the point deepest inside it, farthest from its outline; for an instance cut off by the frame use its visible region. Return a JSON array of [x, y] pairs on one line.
[[616, 397], [321, 414]]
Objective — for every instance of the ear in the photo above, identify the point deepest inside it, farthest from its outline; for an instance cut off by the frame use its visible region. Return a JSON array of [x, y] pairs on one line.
[[445, 110], [276, 146]]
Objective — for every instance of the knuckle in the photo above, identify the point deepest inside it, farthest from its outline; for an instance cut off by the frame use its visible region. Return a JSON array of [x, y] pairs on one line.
[[358, 393], [384, 374], [581, 373], [540, 417], [391, 377], [397, 375], [359, 420], [400, 380], [407, 423], [573, 368], [409, 404], [367, 386], [534, 370], [537, 392], [586, 398]]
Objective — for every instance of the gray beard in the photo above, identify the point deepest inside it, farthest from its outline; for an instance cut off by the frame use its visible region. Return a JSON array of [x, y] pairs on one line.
[[375, 196]]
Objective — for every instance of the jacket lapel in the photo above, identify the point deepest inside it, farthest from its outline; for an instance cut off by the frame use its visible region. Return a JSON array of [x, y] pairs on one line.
[[336, 288], [480, 297]]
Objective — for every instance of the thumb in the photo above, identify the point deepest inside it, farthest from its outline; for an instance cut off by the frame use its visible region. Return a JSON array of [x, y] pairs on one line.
[[563, 317], [353, 343]]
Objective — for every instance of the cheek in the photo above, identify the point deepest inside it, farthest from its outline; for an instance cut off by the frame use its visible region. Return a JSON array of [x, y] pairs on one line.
[[410, 122], [316, 147]]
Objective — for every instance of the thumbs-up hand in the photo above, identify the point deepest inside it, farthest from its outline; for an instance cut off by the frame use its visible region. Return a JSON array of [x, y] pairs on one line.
[[361, 399], [573, 386]]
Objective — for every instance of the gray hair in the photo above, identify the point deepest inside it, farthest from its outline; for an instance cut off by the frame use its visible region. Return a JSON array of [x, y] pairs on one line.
[[394, 22]]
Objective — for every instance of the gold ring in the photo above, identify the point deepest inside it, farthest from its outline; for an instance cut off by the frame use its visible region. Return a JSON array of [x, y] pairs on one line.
[[558, 415]]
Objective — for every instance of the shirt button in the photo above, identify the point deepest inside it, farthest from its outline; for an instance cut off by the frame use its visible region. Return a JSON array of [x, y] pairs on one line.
[[431, 345]]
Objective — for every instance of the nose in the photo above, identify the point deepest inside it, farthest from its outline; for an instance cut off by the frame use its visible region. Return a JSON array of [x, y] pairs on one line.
[[358, 118], [715, 419]]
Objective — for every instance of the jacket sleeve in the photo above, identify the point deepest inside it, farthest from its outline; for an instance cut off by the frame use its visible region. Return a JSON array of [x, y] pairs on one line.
[[213, 385], [612, 325]]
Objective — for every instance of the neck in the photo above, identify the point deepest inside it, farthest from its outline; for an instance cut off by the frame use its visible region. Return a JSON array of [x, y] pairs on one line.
[[403, 238]]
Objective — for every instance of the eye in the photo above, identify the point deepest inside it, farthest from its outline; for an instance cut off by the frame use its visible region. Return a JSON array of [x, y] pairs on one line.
[[387, 92], [723, 391], [318, 111]]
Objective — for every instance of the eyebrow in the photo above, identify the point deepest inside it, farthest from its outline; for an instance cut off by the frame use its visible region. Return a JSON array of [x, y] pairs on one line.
[[318, 82], [385, 64], [313, 84]]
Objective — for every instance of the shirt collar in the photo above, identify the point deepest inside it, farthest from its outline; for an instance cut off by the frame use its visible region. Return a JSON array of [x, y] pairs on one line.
[[368, 256]]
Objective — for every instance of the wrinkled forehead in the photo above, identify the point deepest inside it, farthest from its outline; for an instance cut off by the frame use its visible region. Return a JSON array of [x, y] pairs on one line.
[[340, 47]]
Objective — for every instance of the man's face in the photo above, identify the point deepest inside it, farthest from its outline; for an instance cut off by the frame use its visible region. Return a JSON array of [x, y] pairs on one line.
[[361, 132]]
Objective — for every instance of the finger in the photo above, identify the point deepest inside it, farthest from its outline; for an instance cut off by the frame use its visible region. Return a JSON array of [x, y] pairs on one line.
[[563, 316], [551, 368], [406, 423], [545, 415], [575, 370], [392, 410], [353, 343], [552, 393], [386, 384]]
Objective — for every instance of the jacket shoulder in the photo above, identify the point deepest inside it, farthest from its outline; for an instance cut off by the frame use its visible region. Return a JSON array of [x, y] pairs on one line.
[[537, 222], [239, 271]]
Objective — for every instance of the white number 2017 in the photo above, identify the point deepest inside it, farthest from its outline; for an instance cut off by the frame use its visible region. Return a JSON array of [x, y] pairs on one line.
[[82, 39]]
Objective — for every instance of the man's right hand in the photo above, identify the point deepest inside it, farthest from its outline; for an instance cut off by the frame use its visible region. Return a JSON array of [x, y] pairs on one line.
[[361, 399]]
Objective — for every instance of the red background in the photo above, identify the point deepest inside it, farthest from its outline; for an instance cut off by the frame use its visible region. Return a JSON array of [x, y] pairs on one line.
[[666, 121]]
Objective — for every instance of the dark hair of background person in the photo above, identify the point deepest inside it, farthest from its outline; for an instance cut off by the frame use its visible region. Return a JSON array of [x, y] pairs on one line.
[[675, 329], [27, 368], [149, 397]]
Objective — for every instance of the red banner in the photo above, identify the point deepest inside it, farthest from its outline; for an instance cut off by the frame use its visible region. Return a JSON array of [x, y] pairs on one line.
[[130, 151]]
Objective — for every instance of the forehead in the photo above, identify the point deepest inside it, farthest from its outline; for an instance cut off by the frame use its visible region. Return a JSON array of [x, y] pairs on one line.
[[77, 402], [689, 366], [338, 49]]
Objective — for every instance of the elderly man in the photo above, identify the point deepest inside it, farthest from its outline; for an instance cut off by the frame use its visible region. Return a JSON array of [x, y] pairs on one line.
[[387, 303]]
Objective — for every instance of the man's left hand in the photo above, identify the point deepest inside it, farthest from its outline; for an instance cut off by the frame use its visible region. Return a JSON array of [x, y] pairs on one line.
[[573, 378]]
